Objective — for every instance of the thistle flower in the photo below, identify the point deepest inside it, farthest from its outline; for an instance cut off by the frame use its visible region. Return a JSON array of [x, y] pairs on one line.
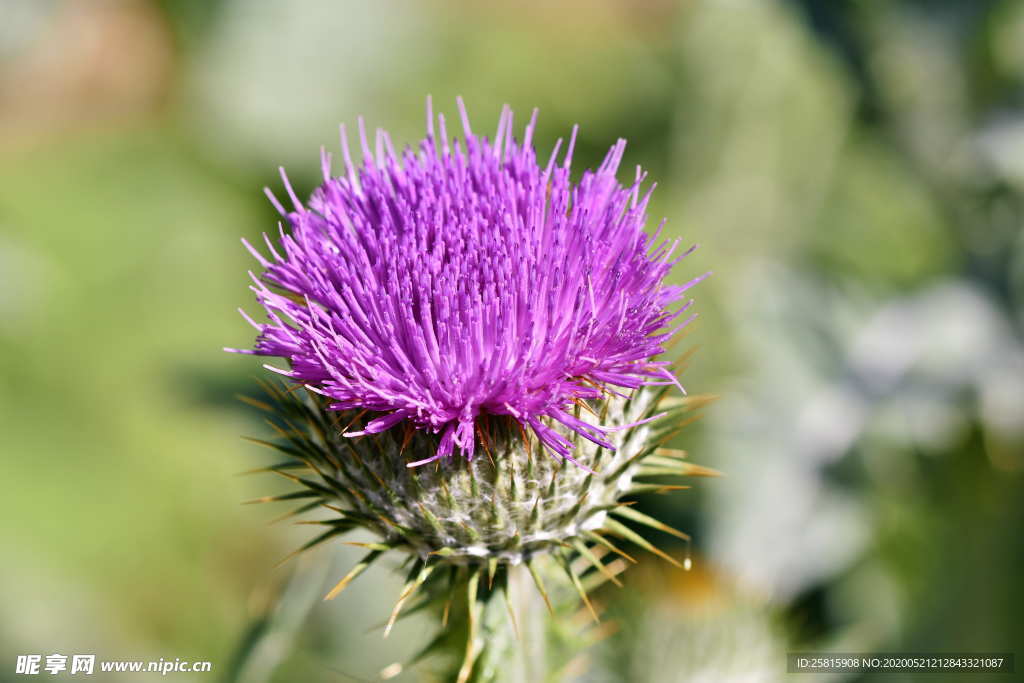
[[467, 298]]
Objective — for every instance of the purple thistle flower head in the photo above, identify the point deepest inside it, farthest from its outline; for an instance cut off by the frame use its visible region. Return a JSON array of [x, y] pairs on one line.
[[465, 279]]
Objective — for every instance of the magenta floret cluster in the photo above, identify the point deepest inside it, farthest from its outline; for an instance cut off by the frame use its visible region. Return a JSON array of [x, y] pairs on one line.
[[465, 278]]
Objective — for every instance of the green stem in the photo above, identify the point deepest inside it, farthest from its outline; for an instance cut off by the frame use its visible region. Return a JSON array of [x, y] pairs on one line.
[[516, 630]]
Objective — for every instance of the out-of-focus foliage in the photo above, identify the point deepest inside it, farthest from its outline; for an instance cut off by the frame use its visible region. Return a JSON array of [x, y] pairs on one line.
[[853, 171]]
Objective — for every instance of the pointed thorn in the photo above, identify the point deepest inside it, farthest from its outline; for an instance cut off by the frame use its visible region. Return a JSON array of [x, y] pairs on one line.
[[583, 550], [621, 529], [473, 609], [356, 571], [579, 589], [492, 567], [540, 586], [641, 518], [418, 575], [598, 538]]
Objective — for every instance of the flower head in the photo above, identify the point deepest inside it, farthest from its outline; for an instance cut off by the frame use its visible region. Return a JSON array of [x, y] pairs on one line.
[[480, 299], [466, 279]]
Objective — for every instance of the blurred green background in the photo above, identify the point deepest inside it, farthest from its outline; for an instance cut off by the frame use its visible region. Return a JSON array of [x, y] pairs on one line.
[[853, 172]]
